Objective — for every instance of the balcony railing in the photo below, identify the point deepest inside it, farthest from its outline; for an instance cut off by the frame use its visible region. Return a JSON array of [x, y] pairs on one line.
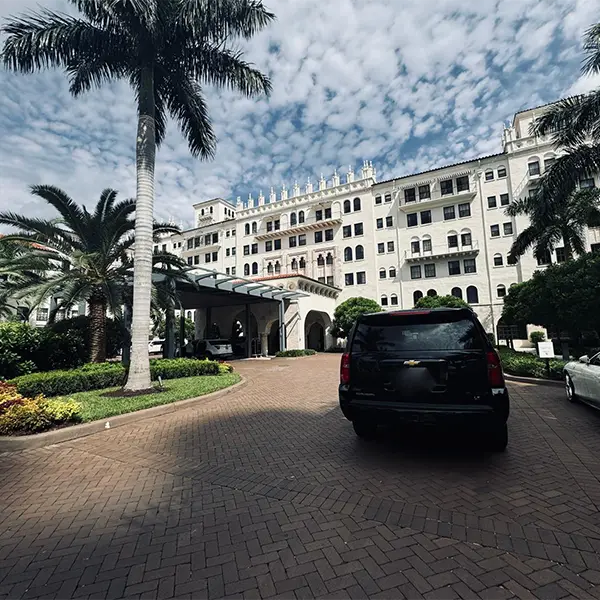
[[442, 252], [308, 225], [437, 199]]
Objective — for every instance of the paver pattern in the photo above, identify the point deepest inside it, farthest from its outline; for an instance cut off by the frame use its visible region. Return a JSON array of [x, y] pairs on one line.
[[267, 492]]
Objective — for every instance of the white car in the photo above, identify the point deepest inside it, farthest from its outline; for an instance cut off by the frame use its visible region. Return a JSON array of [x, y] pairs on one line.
[[214, 349], [582, 380], [155, 346]]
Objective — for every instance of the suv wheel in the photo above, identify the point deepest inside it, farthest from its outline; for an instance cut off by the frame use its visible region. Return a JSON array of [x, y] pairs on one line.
[[365, 429], [497, 438]]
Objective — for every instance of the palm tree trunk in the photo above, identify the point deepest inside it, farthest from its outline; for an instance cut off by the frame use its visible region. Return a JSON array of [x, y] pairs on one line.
[[139, 367], [98, 329]]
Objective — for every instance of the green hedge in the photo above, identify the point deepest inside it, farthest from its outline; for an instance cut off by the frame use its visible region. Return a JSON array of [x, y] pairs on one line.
[[294, 353], [104, 375], [524, 364]]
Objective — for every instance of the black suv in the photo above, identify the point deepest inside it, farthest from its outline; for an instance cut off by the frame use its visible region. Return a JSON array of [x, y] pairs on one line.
[[424, 367]]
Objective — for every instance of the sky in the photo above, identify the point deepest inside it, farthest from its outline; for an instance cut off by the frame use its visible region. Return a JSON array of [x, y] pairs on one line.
[[407, 84]]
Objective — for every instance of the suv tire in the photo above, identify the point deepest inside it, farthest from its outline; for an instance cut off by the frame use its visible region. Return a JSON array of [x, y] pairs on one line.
[[365, 429], [497, 438]]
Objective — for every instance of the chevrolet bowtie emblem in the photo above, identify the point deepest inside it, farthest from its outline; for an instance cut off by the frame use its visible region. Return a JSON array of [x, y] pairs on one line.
[[412, 363]]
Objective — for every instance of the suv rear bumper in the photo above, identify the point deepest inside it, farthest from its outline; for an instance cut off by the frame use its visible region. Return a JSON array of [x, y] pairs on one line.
[[494, 409]]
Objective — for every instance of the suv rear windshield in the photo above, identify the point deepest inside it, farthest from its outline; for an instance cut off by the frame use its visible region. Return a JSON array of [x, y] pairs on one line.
[[430, 331]]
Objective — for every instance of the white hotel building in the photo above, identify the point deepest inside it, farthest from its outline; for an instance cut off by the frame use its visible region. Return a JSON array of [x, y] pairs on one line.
[[442, 231]]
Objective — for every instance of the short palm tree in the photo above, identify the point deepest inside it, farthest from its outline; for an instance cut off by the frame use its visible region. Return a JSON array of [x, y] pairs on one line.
[[574, 126], [564, 222], [81, 255], [166, 49]]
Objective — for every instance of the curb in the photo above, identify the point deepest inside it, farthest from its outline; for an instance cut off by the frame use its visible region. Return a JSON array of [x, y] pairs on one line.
[[533, 380], [48, 438]]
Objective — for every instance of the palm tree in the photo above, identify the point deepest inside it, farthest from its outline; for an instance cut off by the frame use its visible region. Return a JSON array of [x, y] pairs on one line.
[[549, 225], [573, 125], [166, 49], [81, 255]]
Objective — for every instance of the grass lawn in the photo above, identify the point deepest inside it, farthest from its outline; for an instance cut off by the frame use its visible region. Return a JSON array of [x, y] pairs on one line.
[[94, 405]]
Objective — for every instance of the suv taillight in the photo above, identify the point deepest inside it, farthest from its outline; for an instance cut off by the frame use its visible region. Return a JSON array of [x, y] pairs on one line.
[[345, 369], [495, 375]]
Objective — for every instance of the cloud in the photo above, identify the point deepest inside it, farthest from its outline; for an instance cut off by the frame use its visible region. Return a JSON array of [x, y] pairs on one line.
[[409, 85]]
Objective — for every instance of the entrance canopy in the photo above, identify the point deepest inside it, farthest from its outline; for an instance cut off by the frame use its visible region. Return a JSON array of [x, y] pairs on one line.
[[217, 289]]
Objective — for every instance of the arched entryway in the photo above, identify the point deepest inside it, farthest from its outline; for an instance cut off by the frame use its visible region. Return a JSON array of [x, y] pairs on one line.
[[238, 333], [273, 339], [315, 337], [316, 331]]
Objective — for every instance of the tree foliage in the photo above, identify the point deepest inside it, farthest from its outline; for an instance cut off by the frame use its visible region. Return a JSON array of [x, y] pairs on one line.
[[347, 312], [81, 255], [573, 125], [441, 302], [564, 297]]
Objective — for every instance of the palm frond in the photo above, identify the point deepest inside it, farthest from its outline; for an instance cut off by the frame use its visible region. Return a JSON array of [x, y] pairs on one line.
[[525, 240], [571, 121], [226, 69], [591, 47], [70, 211], [562, 179], [518, 207], [89, 72], [185, 102], [223, 19], [45, 39]]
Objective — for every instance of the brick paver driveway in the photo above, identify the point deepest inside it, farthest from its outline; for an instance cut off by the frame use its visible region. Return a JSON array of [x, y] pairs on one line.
[[266, 492]]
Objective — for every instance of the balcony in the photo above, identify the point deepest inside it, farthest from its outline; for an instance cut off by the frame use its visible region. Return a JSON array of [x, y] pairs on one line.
[[308, 225], [438, 200], [440, 251]]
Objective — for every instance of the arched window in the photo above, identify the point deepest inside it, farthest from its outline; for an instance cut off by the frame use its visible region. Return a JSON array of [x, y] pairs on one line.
[[254, 226], [320, 261], [270, 269], [472, 295], [301, 217], [431, 293], [392, 272], [417, 296], [293, 219], [303, 263], [382, 273], [347, 206], [247, 229], [347, 254], [359, 252], [384, 301], [457, 292], [246, 269], [188, 314], [498, 260], [294, 264], [356, 203], [329, 259], [489, 175], [277, 268], [202, 212], [394, 300], [501, 291], [254, 268]]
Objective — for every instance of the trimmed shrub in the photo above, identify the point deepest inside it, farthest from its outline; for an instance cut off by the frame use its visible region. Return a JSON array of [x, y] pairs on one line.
[[21, 415], [535, 337], [25, 349], [225, 368], [529, 365], [104, 375], [295, 353]]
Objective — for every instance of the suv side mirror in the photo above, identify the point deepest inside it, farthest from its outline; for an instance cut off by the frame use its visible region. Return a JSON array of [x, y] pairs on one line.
[[585, 359]]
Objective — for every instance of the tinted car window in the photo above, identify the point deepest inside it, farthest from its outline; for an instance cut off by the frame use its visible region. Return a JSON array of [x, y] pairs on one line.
[[417, 332]]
